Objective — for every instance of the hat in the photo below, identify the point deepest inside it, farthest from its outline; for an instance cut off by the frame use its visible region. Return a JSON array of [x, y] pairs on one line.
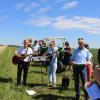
[[97, 75]]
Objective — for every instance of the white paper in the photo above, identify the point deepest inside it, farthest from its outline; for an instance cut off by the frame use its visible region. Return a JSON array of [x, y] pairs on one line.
[[30, 92], [93, 91]]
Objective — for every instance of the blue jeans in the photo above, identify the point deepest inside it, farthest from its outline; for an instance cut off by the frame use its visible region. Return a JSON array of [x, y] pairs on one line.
[[52, 72], [79, 73]]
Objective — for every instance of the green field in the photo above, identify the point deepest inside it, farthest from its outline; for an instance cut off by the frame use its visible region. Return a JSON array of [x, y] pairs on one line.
[[9, 91]]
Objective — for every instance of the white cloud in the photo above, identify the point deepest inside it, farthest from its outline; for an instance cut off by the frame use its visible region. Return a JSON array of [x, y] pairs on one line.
[[33, 4], [43, 21], [26, 7], [40, 12], [20, 6], [60, 23], [29, 7], [87, 24], [43, 10], [70, 5]]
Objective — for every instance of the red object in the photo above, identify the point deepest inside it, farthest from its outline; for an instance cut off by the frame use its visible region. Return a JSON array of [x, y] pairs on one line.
[[89, 72], [16, 60]]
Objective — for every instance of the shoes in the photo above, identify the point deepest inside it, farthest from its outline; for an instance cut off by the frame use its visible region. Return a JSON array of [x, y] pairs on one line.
[[24, 84], [77, 98], [86, 98], [54, 85], [50, 84], [21, 84], [18, 84]]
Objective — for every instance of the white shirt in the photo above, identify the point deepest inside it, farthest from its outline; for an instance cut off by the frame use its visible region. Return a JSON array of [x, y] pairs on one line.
[[91, 56], [25, 51], [36, 47]]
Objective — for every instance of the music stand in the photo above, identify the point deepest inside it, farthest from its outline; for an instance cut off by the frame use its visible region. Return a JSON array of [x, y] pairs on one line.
[[42, 61]]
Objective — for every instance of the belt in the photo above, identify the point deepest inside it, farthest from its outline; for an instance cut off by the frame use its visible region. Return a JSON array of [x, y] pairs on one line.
[[79, 65]]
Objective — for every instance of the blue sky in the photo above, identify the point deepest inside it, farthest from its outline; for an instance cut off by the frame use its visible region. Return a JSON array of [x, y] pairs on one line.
[[20, 19]]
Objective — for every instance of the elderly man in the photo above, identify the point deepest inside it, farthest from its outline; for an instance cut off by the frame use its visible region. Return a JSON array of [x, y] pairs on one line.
[[79, 60], [23, 65]]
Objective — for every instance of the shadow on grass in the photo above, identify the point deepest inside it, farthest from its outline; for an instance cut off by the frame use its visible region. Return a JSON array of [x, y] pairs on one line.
[[6, 80], [52, 97], [39, 72], [60, 89], [36, 72], [34, 85]]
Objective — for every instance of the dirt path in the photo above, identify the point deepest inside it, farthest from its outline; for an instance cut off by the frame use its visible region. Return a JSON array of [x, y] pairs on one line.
[[2, 48]]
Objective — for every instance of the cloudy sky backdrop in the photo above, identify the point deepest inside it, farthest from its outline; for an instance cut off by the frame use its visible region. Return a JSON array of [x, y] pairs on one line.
[[38, 19]]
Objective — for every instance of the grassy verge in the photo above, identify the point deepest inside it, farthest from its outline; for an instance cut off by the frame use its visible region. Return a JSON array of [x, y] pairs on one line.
[[9, 91]]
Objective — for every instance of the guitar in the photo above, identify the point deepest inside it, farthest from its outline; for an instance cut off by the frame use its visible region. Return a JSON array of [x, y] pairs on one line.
[[50, 56], [16, 59]]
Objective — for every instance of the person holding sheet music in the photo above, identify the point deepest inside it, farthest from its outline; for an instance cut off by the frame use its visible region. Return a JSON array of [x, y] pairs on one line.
[[23, 65], [53, 64], [93, 88], [67, 52]]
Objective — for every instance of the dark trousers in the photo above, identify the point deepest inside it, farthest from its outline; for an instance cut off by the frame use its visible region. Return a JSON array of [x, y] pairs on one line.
[[22, 66], [80, 72]]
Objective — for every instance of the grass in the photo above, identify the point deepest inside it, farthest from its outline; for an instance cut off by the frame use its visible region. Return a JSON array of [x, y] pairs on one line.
[[9, 91]]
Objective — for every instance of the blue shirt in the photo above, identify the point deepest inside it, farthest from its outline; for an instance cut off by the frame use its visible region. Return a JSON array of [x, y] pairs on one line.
[[80, 56]]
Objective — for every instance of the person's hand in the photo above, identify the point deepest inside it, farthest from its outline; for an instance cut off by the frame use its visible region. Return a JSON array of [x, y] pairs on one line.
[[73, 63], [87, 63], [88, 84], [17, 55], [46, 57]]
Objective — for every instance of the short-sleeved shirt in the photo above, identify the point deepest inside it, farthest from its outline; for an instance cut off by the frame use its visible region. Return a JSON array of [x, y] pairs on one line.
[[91, 56], [80, 56], [26, 51], [50, 51], [36, 47]]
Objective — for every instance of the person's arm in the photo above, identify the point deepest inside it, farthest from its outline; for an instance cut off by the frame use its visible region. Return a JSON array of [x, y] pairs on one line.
[[72, 58], [69, 51], [88, 58], [17, 52]]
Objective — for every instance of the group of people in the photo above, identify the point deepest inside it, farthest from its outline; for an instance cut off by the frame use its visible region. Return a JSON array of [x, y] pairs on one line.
[[80, 59]]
